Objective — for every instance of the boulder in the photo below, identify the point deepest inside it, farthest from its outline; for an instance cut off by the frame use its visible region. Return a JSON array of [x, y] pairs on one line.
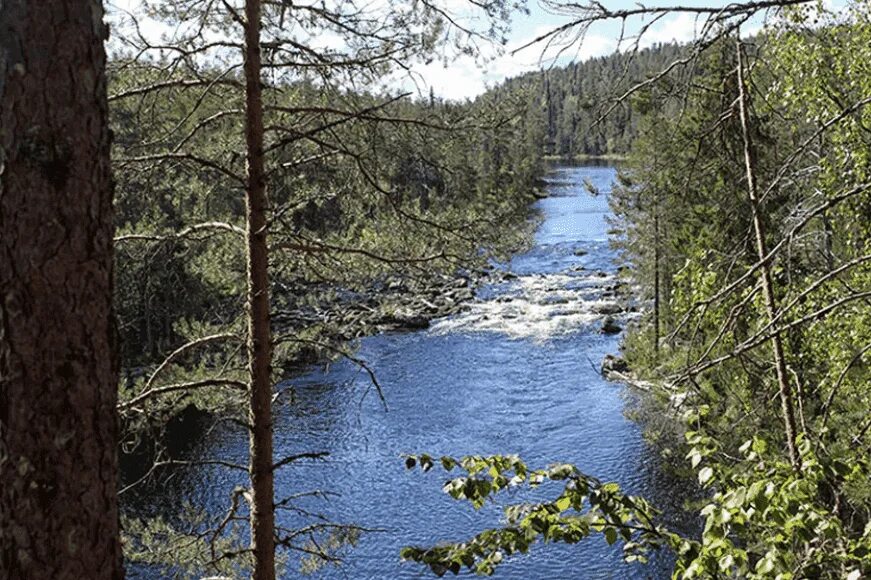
[[613, 308], [610, 327], [405, 320], [611, 364]]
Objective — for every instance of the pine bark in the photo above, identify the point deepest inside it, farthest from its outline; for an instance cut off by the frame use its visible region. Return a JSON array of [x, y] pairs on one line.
[[784, 386], [58, 364], [656, 278], [259, 334]]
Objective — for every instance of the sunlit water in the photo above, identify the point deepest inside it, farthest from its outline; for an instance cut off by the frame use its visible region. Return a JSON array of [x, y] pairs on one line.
[[516, 372]]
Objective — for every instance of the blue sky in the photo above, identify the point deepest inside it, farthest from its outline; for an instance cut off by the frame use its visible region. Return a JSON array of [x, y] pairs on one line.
[[467, 77]]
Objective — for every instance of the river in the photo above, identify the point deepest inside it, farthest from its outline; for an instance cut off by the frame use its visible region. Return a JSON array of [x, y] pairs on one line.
[[515, 372]]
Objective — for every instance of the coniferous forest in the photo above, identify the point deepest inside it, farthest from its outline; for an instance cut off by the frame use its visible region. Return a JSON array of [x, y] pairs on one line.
[[270, 308]]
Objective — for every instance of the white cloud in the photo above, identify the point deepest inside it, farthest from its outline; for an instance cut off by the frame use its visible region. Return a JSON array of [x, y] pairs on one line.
[[464, 78], [460, 78], [682, 28]]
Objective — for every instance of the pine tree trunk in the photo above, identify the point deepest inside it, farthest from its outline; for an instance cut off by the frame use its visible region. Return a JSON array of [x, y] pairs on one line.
[[784, 387], [58, 359], [259, 336], [656, 277]]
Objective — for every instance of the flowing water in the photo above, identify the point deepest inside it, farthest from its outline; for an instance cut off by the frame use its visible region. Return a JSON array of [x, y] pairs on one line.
[[516, 372]]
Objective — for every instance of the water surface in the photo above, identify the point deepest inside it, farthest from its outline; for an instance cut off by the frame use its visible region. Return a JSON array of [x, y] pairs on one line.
[[516, 372]]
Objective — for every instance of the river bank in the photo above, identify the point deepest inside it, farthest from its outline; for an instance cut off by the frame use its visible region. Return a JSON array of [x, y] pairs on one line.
[[605, 160], [390, 304], [515, 370]]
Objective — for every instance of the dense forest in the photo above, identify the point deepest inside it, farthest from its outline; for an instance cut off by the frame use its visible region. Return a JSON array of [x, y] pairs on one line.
[[191, 222], [746, 218], [579, 104], [742, 214]]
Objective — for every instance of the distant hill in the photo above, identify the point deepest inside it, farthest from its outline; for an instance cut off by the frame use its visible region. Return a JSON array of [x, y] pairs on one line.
[[568, 100]]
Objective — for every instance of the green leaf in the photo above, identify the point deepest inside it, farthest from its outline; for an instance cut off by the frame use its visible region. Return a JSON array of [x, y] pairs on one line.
[[765, 565], [760, 446], [610, 487]]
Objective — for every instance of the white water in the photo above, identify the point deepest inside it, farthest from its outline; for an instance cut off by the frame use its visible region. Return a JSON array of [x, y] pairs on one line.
[[541, 307]]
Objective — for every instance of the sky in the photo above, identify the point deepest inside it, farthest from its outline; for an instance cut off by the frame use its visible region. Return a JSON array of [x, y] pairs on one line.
[[466, 77]]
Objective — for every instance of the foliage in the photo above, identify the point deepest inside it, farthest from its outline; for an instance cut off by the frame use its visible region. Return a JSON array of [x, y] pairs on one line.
[[157, 543], [583, 507], [766, 519], [686, 226]]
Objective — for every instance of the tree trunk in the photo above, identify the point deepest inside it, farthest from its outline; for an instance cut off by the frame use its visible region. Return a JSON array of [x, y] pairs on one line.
[[58, 359], [259, 338], [786, 402], [656, 276]]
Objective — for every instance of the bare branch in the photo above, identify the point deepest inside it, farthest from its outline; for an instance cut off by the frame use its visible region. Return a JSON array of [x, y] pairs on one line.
[[183, 349], [188, 231], [174, 388], [292, 458]]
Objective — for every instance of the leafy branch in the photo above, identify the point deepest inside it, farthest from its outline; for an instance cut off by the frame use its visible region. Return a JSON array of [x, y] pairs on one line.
[[583, 507]]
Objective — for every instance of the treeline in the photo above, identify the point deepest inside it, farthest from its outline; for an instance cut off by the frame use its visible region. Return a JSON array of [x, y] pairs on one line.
[[743, 214], [578, 105], [746, 221]]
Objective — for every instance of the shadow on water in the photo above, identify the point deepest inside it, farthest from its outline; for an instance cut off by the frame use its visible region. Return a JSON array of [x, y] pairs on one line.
[[515, 372]]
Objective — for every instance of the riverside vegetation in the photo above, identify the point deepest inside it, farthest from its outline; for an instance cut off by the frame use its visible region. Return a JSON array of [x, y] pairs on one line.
[[742, 212], [686, 234]]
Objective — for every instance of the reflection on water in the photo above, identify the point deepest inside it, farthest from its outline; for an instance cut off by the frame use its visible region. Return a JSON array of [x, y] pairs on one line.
[[514, 373]]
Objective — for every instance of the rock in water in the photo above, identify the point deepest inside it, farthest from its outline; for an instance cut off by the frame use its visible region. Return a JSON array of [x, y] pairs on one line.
[[405, 320], [611, 308], [610, 327], [611, 364]]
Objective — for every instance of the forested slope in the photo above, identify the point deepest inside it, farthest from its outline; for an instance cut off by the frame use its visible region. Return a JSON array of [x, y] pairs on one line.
[[743, 214], [577, 105], [745, 219], [374, 205]]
